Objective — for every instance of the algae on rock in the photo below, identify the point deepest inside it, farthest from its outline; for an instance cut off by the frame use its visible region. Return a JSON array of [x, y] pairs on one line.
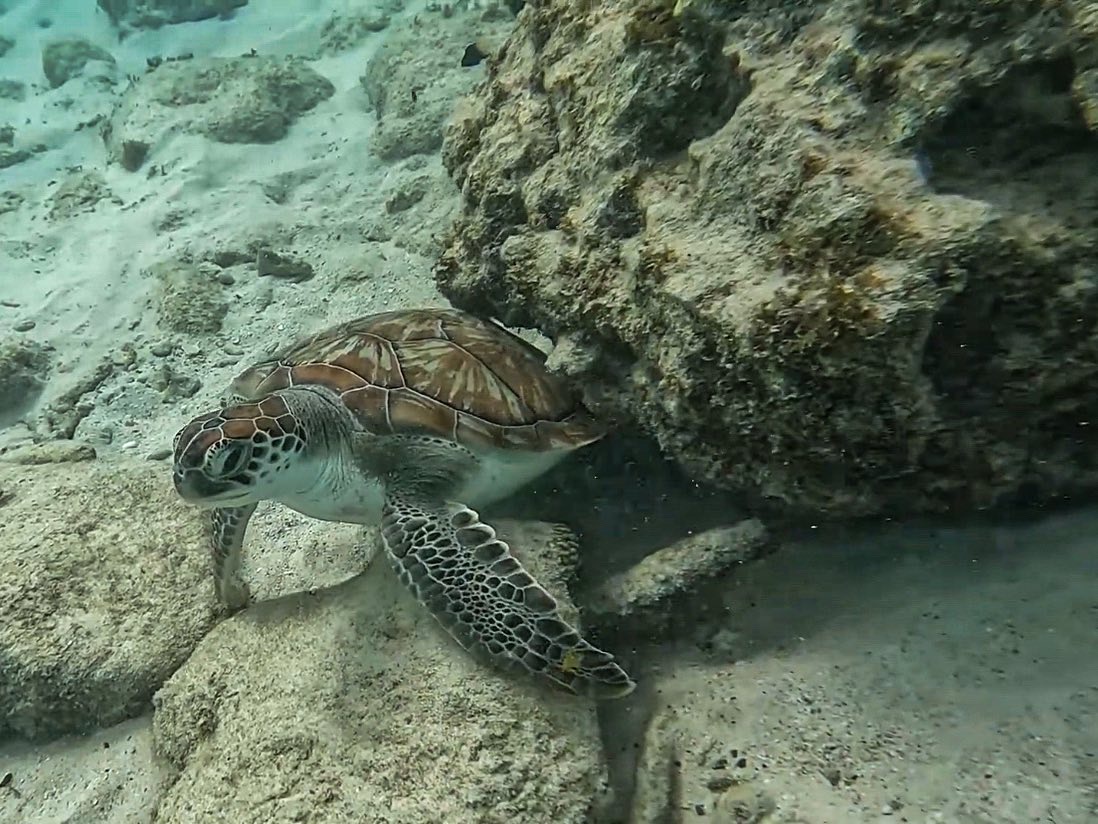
[[838, 258]]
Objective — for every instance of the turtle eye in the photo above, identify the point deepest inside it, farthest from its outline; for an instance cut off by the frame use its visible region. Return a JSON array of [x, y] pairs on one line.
[[229, 459]]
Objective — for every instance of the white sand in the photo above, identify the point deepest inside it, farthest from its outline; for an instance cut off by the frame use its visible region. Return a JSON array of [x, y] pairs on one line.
[[81, 280], [953, 671]]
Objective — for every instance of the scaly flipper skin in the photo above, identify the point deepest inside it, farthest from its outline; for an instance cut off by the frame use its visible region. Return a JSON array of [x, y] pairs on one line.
[[472, 584], [227, 527]]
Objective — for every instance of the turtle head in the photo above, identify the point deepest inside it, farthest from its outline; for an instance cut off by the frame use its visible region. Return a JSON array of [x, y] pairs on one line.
[[240, 454]]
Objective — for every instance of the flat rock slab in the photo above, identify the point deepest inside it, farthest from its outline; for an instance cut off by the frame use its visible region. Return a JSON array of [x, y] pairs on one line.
[[104, 592], [352, 705]]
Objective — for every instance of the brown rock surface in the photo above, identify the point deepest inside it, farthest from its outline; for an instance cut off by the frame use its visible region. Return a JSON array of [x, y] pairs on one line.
[[839, 255]]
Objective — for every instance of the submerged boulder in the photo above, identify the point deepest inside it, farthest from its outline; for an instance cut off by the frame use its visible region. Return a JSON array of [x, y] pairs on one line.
[[152, 14], [104, 592], [24, 365], [230, 100], [413, 78], [840, 257], [64, 59]]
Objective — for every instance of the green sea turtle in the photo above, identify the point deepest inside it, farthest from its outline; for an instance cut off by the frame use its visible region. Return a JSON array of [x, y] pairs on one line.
[[405, 419]]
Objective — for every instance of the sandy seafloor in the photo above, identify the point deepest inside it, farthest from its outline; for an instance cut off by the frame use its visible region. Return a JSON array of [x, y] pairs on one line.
[[920, 674]]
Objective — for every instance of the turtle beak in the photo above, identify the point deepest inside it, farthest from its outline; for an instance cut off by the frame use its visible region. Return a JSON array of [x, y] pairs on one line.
[[190, 486], [196, 488]]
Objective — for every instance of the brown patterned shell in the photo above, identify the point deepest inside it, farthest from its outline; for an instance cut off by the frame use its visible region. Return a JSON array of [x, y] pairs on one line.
[[434, 371]]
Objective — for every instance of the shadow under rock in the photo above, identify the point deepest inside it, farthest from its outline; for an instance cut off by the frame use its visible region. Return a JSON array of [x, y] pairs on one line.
[[625, 500], [866, 582]]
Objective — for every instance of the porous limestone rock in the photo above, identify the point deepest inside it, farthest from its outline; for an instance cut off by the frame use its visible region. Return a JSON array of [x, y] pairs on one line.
[[343, 32], [839, 256], [104, 592], [152, 14], [231, 100], [665, 589], [351, 704], [24, 365], [49, 452], [188, 300]]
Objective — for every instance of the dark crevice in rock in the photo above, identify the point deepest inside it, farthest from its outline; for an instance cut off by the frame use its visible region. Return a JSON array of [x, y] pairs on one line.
[[618, 214], [1022, 146]]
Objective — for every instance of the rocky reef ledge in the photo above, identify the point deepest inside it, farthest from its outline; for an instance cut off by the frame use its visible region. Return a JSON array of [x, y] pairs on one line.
[[839, 255]]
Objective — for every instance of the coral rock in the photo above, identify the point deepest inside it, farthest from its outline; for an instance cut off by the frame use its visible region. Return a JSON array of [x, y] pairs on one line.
[[230, 100], [64, 59], [839, 257]]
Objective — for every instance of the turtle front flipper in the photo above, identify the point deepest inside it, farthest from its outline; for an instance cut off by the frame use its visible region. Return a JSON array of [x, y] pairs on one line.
[[476, 588], [227, 527]]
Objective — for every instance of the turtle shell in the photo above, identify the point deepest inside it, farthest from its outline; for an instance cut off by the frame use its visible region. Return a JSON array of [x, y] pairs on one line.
[[437, 372]]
